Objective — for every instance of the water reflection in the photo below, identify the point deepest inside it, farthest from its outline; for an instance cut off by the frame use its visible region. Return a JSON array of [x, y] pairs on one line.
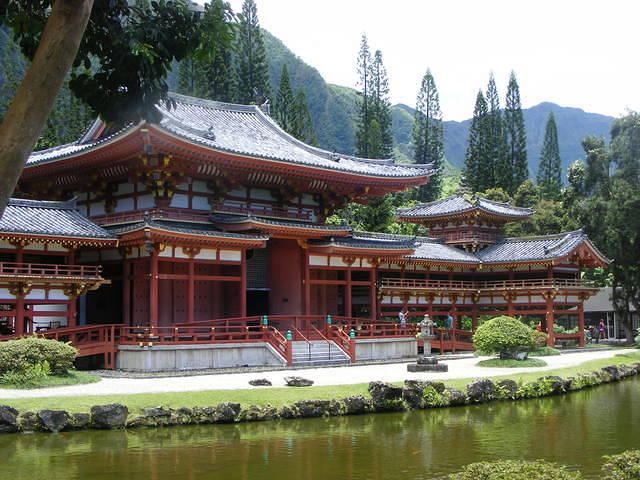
[[575, 429]]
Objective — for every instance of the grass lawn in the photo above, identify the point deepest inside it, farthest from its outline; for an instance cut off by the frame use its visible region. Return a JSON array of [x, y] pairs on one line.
[[72, 378], [272, 396], [499, 363]]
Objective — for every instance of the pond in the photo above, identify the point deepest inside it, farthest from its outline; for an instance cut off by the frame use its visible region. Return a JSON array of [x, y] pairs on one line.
[[575, 429]]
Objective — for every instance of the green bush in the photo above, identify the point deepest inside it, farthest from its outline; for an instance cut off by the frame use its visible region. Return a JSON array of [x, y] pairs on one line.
[[30, 376], [544, 352], [502, 335], [539, 339], [434, 399], [21, 355], [515, 470], [625, 466]]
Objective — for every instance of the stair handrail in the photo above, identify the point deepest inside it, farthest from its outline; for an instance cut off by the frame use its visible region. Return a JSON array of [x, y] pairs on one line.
[[297, 332], [322, 338], [344, 338]]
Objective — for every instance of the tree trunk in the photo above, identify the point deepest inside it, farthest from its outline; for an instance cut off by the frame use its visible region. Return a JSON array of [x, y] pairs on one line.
[[36, 96]]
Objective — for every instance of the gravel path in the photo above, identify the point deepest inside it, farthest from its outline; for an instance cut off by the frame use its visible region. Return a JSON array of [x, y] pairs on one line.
[[344, 375]]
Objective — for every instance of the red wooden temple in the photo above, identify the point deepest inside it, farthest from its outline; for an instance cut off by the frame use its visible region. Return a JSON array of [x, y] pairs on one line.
[[207, 228]]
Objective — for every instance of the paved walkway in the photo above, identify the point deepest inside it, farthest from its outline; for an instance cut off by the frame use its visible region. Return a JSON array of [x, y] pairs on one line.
[[394, 372]]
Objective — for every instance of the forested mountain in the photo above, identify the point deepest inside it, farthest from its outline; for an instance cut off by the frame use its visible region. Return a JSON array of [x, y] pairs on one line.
[[333, 111]]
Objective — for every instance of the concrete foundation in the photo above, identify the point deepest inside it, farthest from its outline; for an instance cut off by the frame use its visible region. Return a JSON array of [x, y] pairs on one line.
[[196, 357], [385, 348]]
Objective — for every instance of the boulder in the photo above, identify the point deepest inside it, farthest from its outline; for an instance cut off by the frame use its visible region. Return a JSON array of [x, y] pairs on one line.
[[558, 385], [29, 422], [182, 416], [226, 412], [507, 388], [317, 408], [157, 416], [456, 397], [260, 382], [109, 417], [257, 414], [8, 419], [412, 393], [289, 411], [80, 421], [385, 396], [356, 405], [298, 382], [612, 372], [54, 420], [203, 415], [480, 391]]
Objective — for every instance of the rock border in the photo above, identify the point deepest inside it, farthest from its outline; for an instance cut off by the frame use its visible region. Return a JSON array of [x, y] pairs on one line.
[[385, 397]]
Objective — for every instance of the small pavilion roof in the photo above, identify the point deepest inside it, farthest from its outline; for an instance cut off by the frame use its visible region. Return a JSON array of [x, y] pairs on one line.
[[236, 129], [248, 222], [37, 218], [544, 247], [460, 204], [190, 228], [436, 250]]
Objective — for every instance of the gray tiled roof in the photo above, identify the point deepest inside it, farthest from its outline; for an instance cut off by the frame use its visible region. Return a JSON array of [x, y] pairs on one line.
[[434, 249], [59, 219], [460, 204], [189, 228], [545, 247], [368, 240], [245, 130], [234, 219]]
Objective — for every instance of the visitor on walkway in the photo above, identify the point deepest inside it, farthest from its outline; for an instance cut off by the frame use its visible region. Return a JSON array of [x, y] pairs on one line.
[[402, 315], [602, 329], [449, 322]]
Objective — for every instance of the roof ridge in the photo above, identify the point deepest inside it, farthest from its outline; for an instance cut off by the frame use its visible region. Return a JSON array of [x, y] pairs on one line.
[[58, 204], [548, 236]]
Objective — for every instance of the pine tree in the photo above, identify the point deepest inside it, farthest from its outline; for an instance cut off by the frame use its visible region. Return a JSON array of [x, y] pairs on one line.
[[284, 104], [550, 168], [207, 72], [476, 175], [516, 137], [381, 146], [363, 121], [252, 71], [302, 123], [499, 171], [428, 136]]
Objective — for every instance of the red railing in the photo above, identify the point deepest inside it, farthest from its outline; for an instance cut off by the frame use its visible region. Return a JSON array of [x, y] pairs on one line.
[[139, 215], [410, 284], [467, 236], [451, 339], [343, 340], [265, 211], [14, 269]]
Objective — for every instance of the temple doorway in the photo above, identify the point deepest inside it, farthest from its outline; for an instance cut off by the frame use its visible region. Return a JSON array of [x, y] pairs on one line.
[[257, 302]]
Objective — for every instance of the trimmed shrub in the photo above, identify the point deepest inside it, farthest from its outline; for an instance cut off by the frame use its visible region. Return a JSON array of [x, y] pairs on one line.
[[624, 466], [23, 354], [539, 339], [515, 470], [502, 335]]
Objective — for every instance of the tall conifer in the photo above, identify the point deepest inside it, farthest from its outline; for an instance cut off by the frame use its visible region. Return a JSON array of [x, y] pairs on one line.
[[283, 110], [382, 146], [302, 123], [252, 71], [516, 137], [363, 121], [499, 171], [475, 173], [427, 136], [550, 168]]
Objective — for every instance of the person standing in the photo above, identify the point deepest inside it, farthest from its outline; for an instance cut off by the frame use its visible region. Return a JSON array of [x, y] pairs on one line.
[[601, 329], [449, 323], [402, 316]]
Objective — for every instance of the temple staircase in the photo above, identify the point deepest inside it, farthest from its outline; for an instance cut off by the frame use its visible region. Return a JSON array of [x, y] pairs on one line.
[[317, 352]]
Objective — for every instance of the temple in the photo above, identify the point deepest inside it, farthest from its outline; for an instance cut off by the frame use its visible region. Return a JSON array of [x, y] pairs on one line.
[[208, 227]]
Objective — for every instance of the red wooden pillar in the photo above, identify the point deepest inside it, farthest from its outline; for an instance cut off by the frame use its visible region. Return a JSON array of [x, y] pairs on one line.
[[474, 317], [549, 296], [347, 295], [126, 292], [153, 289], [71, 305], [373, 294], [581, 323], [191, 291], [19, 326], [243, 283], [306, 281]]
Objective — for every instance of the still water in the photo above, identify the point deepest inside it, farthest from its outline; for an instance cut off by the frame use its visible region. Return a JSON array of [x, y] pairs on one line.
[[575, 429]]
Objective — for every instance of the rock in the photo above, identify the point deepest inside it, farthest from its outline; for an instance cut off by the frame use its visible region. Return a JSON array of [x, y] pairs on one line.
[[412, 393], [80, 421], [558, 385], [317, 408], [203, 415], [356, 405], [414, 367], [8, 419], [289, 411], [182, 416], [456, 397], [261, 382], [507, 388], [257, 414], [626, 371], [298, 382], [112, 416], [612, 372], [29, 422], [157, 416], [226, 412], [480, 391], [422, 360], [54, 420], [385, 396]]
